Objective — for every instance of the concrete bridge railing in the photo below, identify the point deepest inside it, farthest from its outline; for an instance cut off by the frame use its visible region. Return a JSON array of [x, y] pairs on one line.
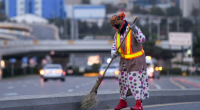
[[108, 99]]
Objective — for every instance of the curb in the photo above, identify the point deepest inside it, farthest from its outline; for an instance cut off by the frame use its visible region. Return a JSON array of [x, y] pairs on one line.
[[108, 100]]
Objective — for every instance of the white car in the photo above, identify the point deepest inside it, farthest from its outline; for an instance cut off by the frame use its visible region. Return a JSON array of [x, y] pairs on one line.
[[112, 71], [52, 71], [152, 71]]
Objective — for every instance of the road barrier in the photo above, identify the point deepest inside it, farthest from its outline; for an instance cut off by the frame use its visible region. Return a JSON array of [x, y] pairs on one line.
[[108, 99]]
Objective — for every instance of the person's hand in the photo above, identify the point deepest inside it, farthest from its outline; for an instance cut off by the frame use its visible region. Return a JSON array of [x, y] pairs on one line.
[[115, 55], [133, 27]]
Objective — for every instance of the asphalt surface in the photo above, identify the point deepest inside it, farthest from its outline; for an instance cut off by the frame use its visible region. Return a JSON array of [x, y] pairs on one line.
[[34, 85], [171, 106]]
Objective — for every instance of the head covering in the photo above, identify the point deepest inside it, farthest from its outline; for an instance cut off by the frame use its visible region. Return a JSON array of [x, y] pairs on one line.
[[118, 21]]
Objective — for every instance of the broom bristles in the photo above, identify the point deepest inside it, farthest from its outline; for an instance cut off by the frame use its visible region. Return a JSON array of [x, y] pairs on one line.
[[89, 101]]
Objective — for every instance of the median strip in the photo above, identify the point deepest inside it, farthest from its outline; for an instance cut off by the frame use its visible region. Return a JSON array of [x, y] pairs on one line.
[[108, 100]]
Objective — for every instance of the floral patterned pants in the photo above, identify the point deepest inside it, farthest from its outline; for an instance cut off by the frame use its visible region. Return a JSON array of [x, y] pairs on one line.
[[136, 81]]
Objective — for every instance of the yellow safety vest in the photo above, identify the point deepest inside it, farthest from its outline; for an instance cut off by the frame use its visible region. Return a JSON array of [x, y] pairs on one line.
[[128, 49]]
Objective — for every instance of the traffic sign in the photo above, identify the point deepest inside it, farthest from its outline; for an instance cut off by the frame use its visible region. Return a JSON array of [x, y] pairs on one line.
[[12, 60], [25, 60], [180, 38]]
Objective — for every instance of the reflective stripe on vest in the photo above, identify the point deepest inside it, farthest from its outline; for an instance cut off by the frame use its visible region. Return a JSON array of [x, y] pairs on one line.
[[128, 49]]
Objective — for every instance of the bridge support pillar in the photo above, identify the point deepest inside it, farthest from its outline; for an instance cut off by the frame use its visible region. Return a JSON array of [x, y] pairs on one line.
[[72, 59]]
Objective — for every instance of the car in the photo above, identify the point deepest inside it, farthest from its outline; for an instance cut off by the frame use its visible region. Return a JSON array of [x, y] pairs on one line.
[[52, 71], [152, 71], [112, 71]]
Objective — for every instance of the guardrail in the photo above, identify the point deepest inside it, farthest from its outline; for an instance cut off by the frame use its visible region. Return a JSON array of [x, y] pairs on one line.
[[15, 43], [108, 99]]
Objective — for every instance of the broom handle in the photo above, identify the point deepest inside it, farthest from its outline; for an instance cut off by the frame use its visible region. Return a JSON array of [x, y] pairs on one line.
[[94, 89]]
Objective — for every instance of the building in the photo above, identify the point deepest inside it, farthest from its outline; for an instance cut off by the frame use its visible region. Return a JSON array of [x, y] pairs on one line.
[[68, 2], [99, 2], [43, 8], [187, 6]]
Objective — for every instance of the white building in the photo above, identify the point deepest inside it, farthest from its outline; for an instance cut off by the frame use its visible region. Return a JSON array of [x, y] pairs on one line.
[[187, 6]]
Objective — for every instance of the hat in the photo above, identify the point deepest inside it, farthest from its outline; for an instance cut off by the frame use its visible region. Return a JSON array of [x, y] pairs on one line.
[[117, 21]]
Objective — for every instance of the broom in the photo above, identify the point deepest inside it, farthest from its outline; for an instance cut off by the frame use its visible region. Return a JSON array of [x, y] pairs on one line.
[[90, 100]]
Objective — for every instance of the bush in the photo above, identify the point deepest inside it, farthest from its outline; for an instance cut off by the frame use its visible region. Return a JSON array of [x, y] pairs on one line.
[[7, 72], [172, 71]]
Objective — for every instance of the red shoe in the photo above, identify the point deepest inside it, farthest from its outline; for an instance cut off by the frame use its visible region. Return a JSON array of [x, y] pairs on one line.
[[138, 106], [122, 104]]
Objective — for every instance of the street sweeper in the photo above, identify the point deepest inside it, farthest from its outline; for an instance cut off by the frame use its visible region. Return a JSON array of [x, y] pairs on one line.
[[132, 65]]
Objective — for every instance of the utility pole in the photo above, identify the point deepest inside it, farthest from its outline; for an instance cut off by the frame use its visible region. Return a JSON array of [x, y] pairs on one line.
[[72, 20], [177, 24], [150, 29], [65, 29], [158, 30], [77, 33], [168, 28]]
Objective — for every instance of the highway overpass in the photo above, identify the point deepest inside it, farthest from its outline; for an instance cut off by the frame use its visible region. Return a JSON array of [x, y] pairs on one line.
[[20, 46]]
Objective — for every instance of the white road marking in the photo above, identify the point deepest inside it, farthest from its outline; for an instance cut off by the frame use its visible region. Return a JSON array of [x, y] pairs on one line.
[[177, 84], [157, 86], [70, 90], [9, 94], [10, 87], [77, 86]]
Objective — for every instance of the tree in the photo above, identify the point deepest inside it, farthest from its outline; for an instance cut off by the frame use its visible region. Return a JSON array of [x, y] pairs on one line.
[[196, 50], [195, 12], [110, 9], [173, 11], [2, 15], [157, 11], [185, 24], [156, 52], [137, 9]]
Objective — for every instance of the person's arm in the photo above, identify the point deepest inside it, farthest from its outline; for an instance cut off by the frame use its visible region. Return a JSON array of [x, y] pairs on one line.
[[140, 37], [113, 48]]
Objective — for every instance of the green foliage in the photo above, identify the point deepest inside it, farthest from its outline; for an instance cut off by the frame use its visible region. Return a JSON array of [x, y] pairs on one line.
[[76, 71], [95, 68], [20, 71], [3, 16], [157, 11], [111, 9], [185, 24], [195, 12], [156, 52], [196, 50], [173, 11], [137, 9], [173, 71]]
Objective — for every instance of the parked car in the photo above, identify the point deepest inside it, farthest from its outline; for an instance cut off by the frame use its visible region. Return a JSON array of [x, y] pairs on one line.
[[52, 71], [112, 71]]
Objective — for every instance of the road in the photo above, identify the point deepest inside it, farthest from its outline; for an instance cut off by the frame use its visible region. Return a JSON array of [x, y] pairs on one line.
[[171, 106], [34, 85]]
